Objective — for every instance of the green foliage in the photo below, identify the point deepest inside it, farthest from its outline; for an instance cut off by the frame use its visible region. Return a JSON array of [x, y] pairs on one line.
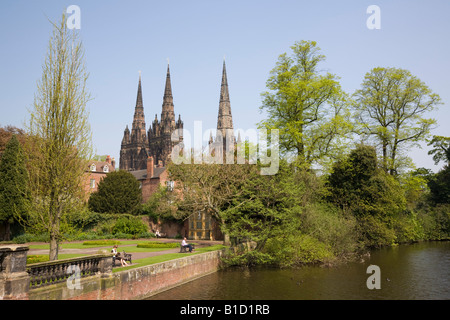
[[357, 185], [161, 205], [155, 244], [390, 108], [332, 227], [266, 206], [59, 137], [309, 109], [439, 186], [297, 249], [375, 232], [101, 243], [118, 192], [14, 191], [130, 225], [435, 222], [441, 149]]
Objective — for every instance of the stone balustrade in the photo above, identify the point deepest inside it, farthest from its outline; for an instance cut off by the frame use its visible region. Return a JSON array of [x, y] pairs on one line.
[[52, 272], [17, 278]]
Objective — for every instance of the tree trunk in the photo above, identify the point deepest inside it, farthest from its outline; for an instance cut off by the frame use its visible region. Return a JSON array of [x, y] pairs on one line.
[[226, 236], [54, 247]]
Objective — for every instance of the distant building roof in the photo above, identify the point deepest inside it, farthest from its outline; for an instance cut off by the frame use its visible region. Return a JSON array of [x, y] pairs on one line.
[[142, 174]]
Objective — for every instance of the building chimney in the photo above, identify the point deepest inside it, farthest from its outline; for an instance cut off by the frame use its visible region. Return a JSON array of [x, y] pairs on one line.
[[108, 159], [149, 167], [113, 164]]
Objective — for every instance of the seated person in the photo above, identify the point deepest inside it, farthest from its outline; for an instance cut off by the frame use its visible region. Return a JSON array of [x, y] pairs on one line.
[[186, 245], [117, 256]]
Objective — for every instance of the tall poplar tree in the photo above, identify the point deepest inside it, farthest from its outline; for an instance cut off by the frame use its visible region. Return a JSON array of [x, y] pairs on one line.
[[60, 137]]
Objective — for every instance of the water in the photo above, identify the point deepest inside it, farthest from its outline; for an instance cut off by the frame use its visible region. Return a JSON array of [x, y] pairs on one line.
[[408, 272]]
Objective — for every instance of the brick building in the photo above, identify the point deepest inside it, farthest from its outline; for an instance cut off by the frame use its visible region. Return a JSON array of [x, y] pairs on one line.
[[96, 171]]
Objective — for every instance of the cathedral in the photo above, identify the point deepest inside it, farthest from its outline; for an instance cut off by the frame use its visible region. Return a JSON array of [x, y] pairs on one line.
[[145, 154], [138, 144]]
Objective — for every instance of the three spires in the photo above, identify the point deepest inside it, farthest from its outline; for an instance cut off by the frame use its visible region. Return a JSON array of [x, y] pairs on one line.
[[134, 145]]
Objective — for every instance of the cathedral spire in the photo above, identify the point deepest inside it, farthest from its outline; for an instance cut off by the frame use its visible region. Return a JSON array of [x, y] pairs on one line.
[[168, 113], [138, 133], [224, 119], [139, 102]]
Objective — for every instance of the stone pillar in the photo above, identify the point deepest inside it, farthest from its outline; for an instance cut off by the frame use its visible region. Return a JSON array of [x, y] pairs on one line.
[[14, 279], [105, 265]]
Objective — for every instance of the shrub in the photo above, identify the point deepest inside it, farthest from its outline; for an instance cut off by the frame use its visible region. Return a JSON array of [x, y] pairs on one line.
[[158, 245], [101, 243], [131, 226], [375, 233], [297, 249]]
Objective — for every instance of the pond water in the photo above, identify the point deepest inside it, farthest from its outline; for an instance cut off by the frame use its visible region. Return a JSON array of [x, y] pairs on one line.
[[407, 272]]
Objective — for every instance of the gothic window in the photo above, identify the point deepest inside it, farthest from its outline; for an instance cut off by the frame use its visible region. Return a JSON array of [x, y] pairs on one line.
[[170, 185], [92, 183], [106, 168], [93, 167]]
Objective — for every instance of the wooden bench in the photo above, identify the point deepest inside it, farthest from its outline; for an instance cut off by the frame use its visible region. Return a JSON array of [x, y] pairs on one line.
[[185, 249], [125, 256]]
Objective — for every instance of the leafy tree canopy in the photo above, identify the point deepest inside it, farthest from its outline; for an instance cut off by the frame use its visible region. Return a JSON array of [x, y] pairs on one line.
[[118, 192]]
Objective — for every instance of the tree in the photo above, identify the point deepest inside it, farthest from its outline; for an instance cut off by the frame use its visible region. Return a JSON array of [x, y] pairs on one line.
[[441, 151], [309, 109], [118, 192], [390, 108], [208, 188], [60, 137], [360, 187], [14, 190], [6, 133]]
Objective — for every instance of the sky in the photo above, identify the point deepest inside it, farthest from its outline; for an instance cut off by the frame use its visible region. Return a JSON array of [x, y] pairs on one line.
[[121, 38]]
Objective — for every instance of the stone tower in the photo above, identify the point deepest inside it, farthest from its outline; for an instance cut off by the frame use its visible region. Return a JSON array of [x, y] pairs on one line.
[[133, 151], [160, 144]]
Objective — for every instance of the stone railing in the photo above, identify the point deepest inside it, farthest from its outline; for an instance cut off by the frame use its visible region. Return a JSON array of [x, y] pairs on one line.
[[52, 272], [17, 279]]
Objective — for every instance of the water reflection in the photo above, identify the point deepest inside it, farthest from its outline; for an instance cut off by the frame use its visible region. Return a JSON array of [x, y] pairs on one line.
[[418, 271]]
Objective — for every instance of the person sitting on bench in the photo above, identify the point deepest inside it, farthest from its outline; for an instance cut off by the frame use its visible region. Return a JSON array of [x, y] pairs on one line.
[[118, 256], [186, 245]]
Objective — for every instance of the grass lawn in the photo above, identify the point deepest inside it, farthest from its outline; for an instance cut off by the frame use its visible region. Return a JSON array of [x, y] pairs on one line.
[[80, 245], [129, 246], [165, 257]]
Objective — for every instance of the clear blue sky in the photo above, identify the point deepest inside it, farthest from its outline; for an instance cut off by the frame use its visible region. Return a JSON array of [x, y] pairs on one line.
[[123, 37]]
